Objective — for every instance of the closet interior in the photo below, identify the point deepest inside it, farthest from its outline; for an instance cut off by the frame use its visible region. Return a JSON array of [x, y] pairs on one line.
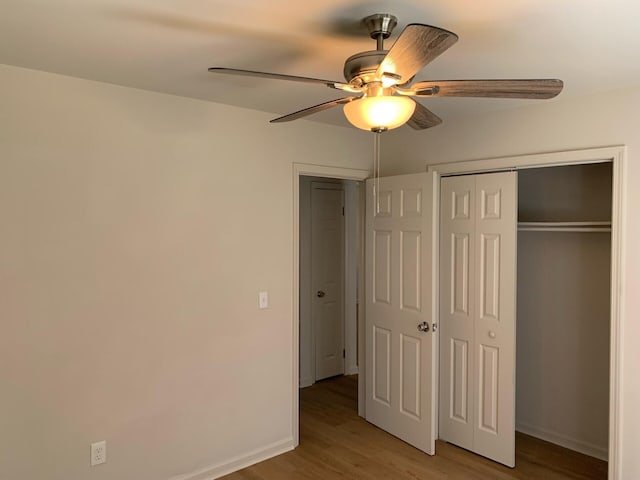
[[563, 305]]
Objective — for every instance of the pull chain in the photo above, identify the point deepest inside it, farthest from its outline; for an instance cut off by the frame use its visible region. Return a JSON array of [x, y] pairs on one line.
[[376, 169]]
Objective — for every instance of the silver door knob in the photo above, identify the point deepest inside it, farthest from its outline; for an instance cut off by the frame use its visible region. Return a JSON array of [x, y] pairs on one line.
[[320, 294], [423, 327]]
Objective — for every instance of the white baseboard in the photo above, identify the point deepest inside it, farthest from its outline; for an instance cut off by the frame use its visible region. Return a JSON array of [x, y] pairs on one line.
[[352, 370], [306, 382], [581, 446], [239, 462]]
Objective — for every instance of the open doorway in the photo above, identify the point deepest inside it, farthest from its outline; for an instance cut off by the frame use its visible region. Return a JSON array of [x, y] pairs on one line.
[[329, 265], [324, 349]]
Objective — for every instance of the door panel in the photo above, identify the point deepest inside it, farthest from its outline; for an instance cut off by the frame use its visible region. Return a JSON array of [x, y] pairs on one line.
[[382, 365], [410, 270], [478, 266], [459, 386], [382, 266], [327, 272], [400, 285], [457, 270], [496, 228], [410, 375]]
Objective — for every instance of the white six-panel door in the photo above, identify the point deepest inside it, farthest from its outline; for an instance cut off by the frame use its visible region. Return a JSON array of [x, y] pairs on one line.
[[327, 278], [400, 295], [477, 313]]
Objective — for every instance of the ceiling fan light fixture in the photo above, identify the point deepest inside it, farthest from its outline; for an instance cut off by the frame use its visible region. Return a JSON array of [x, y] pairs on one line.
[[379, 113]]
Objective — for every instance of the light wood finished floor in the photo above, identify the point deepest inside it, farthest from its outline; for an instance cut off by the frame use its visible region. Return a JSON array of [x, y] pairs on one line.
[[337, 444]]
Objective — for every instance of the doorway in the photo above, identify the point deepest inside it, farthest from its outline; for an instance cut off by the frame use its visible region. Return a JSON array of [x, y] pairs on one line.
[[336, 174], [329, 265]]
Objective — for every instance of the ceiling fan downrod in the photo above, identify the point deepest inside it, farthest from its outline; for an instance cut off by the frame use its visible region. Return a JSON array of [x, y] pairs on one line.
[[380, 26]]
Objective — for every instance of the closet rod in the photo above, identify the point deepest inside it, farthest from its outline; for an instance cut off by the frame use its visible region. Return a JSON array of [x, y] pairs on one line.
[[563, 229], [564, 224]]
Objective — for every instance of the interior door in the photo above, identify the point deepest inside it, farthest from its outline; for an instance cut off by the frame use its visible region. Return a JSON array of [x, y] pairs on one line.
[[400, 307], [327, 278], [478, 227]]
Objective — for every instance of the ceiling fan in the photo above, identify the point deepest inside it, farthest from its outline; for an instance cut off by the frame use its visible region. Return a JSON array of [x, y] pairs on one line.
[[379, 81]]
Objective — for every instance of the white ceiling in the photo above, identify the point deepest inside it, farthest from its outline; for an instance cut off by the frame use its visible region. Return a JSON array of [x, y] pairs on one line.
[[167, 45]]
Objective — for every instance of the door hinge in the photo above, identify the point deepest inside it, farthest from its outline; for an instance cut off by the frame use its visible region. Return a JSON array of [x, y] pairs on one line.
[[344, 353], [343, 211]]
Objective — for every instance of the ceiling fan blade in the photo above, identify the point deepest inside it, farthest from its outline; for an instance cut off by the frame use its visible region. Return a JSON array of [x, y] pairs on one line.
[[540, 89], [423, 118], [312, 110], [280, 76], [416, 46]]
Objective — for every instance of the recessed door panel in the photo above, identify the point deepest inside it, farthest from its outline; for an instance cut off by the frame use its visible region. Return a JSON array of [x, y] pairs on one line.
[[489, 275], [460, 205], [410, 376], [411, 202], [382, 266], [458, 408], [490, 204], [410, 275], [488, 381], [460, 273], [384, 203], [381, 365]]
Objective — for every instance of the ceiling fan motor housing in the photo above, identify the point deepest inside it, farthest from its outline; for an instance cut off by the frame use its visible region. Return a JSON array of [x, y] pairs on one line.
[[363, 66]]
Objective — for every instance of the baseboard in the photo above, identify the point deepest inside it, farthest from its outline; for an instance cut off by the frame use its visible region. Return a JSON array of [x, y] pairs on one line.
[[351, 370], [239, 462], [306, 382], [581, 446]]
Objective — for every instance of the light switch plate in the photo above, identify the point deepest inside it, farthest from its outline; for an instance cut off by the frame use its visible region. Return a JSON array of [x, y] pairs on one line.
[[263, 299]]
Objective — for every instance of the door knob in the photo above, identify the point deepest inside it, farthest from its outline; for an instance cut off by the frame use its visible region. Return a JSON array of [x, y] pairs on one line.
[[423, 327], [492, 334], [320, 294]]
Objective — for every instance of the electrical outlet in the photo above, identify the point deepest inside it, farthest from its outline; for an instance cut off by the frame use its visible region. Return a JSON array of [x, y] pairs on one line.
[[98, 453]]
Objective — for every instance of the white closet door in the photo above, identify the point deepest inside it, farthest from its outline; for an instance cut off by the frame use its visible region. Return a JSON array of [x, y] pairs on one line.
[[400, 301], [457, 263], [478, 271]]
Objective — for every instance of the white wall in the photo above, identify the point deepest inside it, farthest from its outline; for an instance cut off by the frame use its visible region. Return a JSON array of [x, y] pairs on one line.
[[605, 119], [137, 230], [562, 354]]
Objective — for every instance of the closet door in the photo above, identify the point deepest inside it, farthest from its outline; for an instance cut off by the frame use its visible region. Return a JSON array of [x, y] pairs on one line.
[[477, 285]]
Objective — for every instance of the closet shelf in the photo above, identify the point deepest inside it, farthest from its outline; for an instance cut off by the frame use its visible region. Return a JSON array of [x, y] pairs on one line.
[[564, 226]]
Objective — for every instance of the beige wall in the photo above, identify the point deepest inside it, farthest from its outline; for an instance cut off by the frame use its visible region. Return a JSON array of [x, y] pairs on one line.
[[610, 118], [137, 230]]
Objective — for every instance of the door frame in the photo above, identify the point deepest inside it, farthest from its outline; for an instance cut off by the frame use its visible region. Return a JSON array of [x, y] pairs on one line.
[[299, 170], [617, 156]]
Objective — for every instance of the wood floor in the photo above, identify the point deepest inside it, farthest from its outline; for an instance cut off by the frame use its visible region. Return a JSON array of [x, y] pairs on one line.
[[337, 444]]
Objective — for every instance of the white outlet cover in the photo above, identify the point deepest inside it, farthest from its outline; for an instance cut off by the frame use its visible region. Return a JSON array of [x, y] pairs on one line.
[[98, 453]]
